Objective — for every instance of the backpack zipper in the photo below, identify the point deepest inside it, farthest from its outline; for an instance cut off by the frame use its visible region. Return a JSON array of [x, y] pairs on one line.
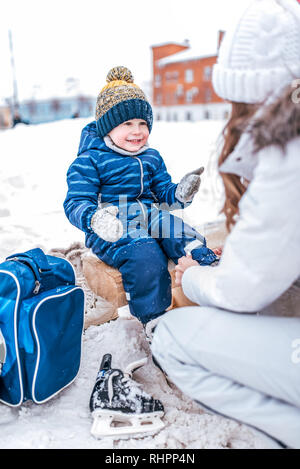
[[16, 344], [2, 351], [36, 282]]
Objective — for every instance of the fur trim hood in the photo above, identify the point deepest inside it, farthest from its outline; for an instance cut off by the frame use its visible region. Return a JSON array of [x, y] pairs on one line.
[[279, 121], [276, 123]]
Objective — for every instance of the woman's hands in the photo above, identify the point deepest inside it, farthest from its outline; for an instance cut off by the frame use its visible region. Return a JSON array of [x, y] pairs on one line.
[[218, 251], [187, 261], [183, 264]]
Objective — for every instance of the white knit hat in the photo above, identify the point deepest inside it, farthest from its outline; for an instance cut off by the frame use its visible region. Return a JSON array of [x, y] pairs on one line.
[[261, 54]]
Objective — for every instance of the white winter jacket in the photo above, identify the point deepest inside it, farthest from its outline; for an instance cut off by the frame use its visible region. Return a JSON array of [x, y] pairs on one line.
[[260, 265]]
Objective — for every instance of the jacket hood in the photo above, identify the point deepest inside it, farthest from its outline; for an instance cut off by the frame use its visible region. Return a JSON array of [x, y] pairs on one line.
[[90, 140], [276, 123]]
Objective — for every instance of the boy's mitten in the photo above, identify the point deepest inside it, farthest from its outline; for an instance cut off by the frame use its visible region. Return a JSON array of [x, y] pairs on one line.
[[106, 224], [189, 185]]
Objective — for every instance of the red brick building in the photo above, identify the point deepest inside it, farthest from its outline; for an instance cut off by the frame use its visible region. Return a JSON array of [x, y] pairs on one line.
[[182, 87]]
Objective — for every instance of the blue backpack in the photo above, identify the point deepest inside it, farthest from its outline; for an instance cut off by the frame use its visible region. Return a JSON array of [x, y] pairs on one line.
[[41, 325]]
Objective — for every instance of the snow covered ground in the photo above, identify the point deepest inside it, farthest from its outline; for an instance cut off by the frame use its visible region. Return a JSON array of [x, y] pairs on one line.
[[34, 161]]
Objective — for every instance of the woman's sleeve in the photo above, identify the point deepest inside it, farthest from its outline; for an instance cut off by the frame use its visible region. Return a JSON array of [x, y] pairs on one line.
[[261, 256]]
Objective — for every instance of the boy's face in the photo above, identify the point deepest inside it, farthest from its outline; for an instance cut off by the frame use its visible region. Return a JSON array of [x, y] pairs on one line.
[[130, 135]]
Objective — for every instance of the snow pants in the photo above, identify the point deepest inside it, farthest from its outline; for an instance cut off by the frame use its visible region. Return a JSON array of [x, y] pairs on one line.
[[142, 255], [242, 366]]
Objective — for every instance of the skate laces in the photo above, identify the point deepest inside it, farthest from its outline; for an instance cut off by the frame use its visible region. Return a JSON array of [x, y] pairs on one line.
[[126, 380], [129, 382], [134, 387]]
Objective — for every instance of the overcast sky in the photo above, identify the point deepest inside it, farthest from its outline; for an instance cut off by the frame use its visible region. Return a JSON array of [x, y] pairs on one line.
[[58, 39]]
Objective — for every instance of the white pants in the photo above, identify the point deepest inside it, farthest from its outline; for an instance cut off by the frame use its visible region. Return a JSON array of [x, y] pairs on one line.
[[242, 366]]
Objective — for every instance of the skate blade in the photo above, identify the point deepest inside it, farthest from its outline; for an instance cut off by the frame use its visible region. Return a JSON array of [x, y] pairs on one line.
[[119, 426]]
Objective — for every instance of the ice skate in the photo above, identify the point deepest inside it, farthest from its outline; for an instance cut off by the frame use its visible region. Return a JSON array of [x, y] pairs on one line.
[[2, 351], [119, 407]]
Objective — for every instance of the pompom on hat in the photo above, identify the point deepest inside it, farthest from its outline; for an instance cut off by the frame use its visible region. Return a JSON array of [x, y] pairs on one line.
[[119, 101], [261, 54]]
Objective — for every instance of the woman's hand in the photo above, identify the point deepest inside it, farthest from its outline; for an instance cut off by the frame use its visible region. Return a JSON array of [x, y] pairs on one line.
[[183, 264], [218, 251]]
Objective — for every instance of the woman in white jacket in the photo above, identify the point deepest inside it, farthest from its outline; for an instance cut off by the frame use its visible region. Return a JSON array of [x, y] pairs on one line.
[[238, 353]]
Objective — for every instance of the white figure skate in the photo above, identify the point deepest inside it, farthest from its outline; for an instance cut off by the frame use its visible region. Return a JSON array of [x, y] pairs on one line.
[[119, 407]]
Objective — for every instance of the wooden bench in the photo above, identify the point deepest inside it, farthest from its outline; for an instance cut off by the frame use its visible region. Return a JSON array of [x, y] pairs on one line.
[[106, 282]]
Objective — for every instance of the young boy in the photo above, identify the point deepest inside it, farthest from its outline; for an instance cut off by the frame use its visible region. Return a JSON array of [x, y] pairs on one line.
[[115, 184]]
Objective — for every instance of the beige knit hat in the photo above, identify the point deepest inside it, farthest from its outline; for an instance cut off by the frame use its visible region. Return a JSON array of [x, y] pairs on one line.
[[261, 54], [121, 100]]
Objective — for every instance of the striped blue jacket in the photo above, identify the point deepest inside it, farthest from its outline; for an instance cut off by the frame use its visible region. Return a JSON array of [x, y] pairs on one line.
[[99, 174]]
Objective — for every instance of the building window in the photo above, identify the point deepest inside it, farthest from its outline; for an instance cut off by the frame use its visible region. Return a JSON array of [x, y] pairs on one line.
[[55, 105], [179, 90], [189, 96], [158, 100], [208, 95], [175, 117], [189, 75], [188, 116], [171, 77], [207, 115], [32, 107], [191, 93], [207, 73], [157, 81]]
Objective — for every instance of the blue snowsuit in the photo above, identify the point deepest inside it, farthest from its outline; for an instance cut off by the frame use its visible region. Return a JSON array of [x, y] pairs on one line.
[[135, 184]]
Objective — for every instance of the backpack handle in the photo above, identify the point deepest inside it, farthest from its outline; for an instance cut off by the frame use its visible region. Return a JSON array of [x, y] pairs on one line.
[[38, 262]]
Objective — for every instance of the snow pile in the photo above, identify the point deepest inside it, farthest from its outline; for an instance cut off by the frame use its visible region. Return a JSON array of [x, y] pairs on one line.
[[65, 421], [32, 190]]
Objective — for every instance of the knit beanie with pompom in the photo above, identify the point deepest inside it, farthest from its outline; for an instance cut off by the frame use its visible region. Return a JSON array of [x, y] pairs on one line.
[[119, 101], [261, 54]]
